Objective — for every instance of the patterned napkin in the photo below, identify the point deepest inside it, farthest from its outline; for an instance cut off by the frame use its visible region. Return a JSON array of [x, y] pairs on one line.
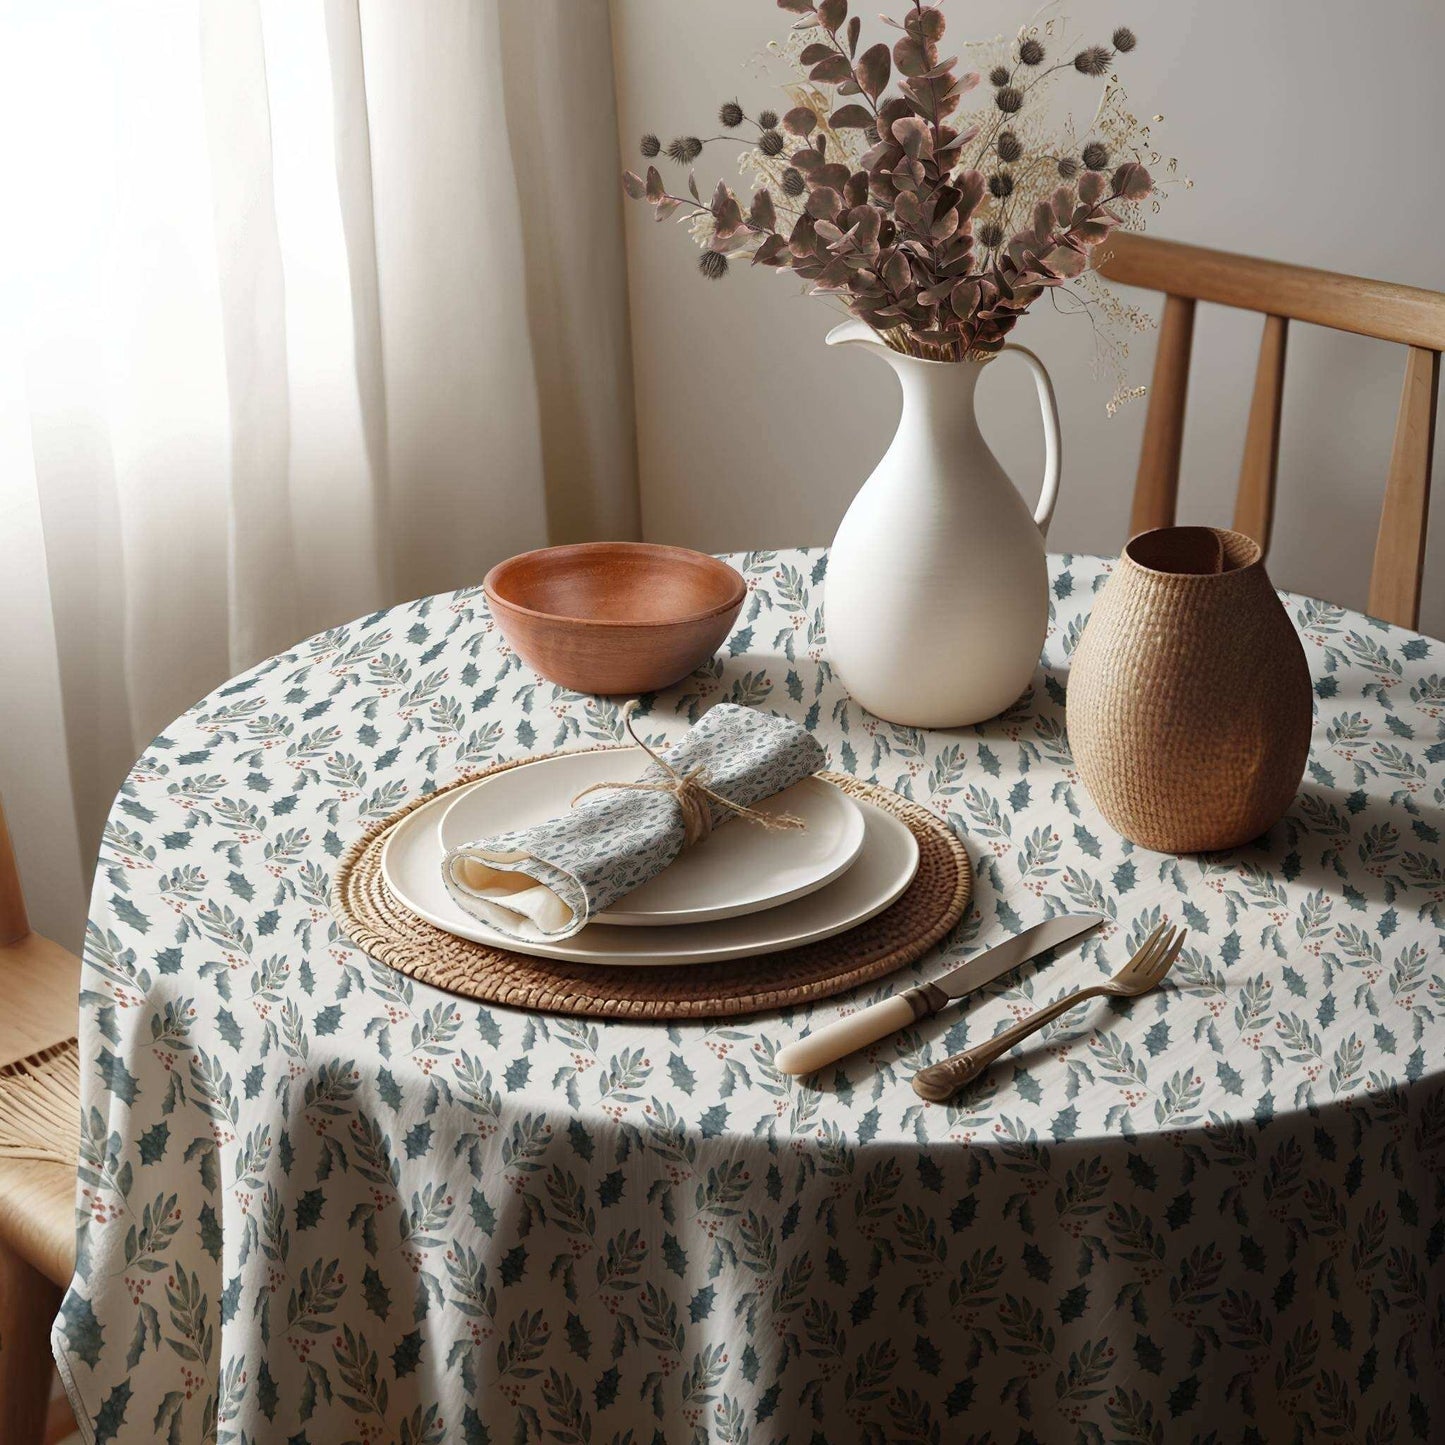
[[546, 882]]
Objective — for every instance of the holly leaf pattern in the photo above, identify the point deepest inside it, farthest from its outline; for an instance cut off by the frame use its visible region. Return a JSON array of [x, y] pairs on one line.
[[324, 1195]]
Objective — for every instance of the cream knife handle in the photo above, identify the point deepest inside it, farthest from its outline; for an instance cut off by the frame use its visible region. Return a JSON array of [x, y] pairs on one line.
[[852, 1032]]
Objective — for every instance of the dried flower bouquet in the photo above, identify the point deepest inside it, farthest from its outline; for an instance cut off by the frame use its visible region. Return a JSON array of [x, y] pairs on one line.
[[937, 229]]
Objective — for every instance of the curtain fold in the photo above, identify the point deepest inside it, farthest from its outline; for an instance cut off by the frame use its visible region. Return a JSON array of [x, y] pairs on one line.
[[317, 305], [251, 285], [558, 95], [351, 130]]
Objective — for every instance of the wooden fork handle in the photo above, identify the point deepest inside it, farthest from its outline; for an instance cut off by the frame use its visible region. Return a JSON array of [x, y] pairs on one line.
[[938, 1082]]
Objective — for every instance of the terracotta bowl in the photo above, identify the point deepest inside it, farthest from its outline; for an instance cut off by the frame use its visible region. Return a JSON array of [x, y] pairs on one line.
[[614, 617]]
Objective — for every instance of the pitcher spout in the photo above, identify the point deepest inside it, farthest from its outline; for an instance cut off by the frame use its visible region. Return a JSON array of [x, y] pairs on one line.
[[942, 375], [854, 333]]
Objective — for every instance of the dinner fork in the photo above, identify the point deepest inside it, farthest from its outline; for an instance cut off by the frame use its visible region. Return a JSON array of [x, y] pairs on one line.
[[1144, 971]]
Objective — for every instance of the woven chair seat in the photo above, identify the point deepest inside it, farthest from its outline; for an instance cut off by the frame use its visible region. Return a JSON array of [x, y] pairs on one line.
[[39, 1104], [37, 1214], [39, 1149]]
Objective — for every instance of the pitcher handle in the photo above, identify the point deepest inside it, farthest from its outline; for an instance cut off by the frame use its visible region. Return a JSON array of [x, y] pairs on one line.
[[1053, 447]]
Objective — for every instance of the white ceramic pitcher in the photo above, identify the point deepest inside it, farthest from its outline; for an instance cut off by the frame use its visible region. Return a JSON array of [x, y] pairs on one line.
[[936, 598]]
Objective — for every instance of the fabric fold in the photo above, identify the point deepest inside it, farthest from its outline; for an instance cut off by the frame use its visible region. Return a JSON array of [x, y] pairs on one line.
[[547, 882]]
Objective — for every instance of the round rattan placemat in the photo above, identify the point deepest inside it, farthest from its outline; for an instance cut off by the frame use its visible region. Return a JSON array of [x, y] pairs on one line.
[[931, 905]]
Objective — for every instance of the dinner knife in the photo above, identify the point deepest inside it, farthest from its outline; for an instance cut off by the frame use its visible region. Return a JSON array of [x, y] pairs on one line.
[[856, 1031]]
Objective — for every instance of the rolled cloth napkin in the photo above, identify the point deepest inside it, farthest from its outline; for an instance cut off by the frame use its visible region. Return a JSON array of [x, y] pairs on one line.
[[546, 882]]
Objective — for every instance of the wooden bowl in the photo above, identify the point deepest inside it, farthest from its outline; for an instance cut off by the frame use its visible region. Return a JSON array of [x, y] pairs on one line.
[[614, 617]]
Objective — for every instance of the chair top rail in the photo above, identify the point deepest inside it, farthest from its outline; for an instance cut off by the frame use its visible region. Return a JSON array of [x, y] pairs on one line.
[[1405, 314]]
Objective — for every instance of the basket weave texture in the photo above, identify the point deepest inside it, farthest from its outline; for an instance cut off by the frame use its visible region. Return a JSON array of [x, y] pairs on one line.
[[921, 918], [1189, 697]]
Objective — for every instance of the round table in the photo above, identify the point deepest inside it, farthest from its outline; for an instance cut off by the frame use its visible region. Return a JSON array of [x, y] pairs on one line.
[[321, 1203]]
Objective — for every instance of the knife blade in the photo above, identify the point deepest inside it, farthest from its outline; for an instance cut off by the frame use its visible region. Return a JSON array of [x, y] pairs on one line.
[[856, 1031]]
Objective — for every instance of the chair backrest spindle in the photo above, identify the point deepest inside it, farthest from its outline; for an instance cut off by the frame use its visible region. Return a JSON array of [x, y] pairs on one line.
[[1156, 492], [1400, 548], [1284, 293], [1254, 501]]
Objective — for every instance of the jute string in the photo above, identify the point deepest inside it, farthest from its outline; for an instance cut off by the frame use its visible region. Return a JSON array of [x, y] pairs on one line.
[[692, 793], [40, 1105]]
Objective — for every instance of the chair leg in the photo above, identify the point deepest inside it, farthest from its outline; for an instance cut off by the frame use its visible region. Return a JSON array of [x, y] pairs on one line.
[[28, 1303]]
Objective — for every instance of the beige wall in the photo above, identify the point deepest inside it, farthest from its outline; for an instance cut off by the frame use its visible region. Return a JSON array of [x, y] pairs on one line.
[[1313, 134]]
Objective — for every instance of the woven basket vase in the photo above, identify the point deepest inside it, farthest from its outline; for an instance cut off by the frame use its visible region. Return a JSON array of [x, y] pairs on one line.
[[1189, 699]]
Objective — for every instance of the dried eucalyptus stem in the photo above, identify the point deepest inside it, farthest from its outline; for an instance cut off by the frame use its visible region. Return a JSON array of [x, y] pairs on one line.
[[943, 230]]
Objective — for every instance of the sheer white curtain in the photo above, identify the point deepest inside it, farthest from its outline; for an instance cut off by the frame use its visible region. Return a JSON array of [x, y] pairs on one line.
[[309, 306]]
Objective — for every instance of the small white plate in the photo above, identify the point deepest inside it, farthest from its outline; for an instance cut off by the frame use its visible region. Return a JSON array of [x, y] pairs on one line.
[[411, 866], [741, 868]]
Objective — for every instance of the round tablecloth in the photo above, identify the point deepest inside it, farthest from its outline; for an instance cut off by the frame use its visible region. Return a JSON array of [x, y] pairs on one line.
[[323, 1204]]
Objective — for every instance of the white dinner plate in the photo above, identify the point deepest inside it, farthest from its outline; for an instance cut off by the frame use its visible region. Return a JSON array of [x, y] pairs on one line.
[[741, 868], [411, 866]]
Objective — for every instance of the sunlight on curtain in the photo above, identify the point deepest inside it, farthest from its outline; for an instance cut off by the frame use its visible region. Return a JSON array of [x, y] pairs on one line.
[[334, 493], [289, 335]]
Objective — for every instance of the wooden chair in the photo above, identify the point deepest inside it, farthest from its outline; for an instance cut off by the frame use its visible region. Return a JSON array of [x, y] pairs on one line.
[[39, 1133], [1404, 314]]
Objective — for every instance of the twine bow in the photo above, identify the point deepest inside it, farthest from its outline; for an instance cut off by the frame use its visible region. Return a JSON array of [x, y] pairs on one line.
[[692, 793]]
